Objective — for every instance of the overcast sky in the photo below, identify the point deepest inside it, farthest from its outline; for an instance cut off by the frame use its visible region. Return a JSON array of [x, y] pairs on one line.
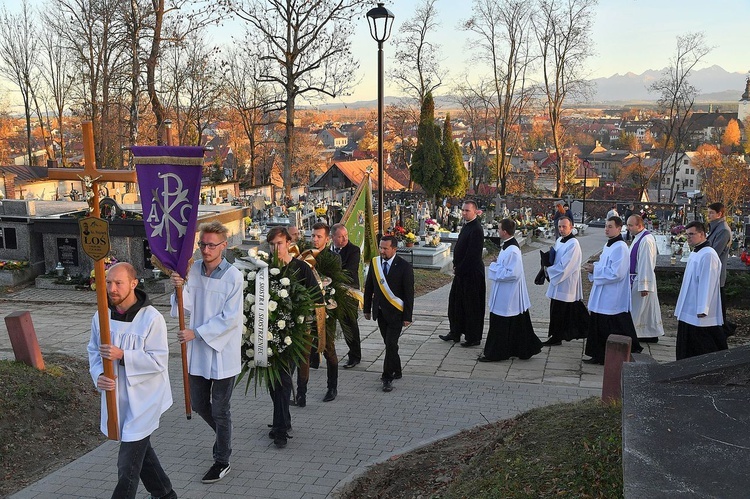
[[629, 35]]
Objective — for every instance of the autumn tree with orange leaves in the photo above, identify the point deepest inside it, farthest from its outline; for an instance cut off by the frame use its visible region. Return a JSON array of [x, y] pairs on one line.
[[724, 177]]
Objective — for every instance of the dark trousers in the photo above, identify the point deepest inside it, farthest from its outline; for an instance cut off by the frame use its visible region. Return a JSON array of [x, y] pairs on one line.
[[390, 331], [138, 460], [211, 398], [723, 297], [332, 368], [350, 328], [280, 393]]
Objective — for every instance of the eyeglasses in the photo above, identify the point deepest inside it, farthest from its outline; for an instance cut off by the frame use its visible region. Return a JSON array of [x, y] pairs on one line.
[[210, 246]]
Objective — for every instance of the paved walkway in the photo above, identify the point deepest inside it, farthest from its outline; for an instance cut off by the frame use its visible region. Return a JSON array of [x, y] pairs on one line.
[[444, 390]]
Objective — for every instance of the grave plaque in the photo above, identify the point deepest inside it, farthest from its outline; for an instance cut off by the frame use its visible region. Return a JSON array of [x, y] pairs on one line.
[[67, 251]]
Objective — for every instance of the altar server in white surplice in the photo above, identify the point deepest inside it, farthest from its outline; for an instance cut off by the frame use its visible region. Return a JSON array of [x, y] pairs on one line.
[[511, 333], [568, 317], [698, 309], [645, 308], [140, 355], [609, 301]]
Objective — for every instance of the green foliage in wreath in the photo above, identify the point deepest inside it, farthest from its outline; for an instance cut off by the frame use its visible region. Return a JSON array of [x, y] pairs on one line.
[[290, 309], [338, 301]]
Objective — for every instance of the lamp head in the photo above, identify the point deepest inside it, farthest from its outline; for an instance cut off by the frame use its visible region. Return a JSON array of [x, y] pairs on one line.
[[380, 20]]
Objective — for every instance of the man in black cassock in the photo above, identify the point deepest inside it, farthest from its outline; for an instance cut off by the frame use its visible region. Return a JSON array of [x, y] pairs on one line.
[[466, 302]]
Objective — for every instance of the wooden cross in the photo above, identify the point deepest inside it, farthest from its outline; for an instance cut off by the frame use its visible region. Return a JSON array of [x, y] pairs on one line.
[[91, 175]]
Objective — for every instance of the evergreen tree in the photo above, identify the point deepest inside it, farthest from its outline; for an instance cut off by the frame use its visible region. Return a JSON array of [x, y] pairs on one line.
[[427, 162], [454, 173]]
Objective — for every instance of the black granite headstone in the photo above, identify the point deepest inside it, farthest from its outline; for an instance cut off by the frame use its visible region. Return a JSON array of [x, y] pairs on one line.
[[67, 251], [685, 426]]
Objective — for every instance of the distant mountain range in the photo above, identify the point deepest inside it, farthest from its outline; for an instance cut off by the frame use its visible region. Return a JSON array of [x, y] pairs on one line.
[[714, 85]]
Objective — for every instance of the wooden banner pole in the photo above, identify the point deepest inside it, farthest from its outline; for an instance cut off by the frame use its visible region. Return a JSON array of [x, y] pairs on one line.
[[169, 140]]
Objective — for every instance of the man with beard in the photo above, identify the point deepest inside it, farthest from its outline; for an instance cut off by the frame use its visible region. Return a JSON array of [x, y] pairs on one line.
[[466, 302], [609, 301], [140, 355], [645, 309]]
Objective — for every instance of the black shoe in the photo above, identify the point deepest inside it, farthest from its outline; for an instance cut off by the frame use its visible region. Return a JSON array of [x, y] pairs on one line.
[[387, 385], [482, 358], [450, 337], [301, 400], [216, 472], [351, 364], [279, 440], [330, 395], [654, 339], [398, 376], [471, 343], [272, 433], [551, 343], [591, 361]]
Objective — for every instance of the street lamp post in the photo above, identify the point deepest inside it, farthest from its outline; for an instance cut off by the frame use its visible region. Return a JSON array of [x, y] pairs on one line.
[[380, 20], [585, 173]]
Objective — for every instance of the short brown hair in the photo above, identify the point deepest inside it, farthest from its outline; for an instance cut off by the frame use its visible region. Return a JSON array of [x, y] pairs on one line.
[[322, 225], [276, 231], [698, 225], [508, 226], [213, 227]]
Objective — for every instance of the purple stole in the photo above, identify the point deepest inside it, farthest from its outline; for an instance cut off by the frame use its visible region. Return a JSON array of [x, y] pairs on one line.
[[634, 256]]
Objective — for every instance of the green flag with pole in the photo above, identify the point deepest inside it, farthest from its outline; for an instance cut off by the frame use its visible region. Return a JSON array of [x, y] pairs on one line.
[[360, 223]]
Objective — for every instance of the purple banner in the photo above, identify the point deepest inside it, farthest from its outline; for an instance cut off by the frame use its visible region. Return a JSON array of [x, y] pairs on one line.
[[169, 178]]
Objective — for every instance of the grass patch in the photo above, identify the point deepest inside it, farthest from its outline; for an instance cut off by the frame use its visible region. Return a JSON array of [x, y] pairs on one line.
[[669, 283], [426, 280], [565, 450], [47, 418]]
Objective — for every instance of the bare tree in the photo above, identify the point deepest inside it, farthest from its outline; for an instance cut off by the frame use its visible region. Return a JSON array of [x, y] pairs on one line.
[[417, 68], [503, 28], [474, 99], [249, 98], [676, 99], [18, 53], [56, 73], [305, 52], [563, 29]]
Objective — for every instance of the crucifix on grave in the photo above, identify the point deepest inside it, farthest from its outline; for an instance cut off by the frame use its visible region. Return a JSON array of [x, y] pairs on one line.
[[95, 243]]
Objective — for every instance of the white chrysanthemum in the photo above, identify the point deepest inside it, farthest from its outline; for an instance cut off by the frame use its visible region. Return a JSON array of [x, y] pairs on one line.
[[287, 340], [333, 291], [263, 255], [251, 275], [274, 271], [283, 293], [281, 324], [250, 298], [272, 305], [252, 308], [300, 319], [244, 284], [244, 329], [284, 281]]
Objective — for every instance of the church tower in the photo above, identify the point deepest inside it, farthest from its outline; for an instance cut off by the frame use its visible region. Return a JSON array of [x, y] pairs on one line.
[[743, 110]]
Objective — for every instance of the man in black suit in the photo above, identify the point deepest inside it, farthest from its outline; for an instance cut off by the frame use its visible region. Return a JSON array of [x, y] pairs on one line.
[[389, 294], [350, 256], [466, 302]]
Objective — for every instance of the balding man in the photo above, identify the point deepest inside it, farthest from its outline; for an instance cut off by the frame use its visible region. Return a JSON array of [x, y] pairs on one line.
[[140, 355], [645, 308]]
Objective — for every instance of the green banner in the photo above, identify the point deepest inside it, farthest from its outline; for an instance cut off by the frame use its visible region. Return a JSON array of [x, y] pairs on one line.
[[359, 222]]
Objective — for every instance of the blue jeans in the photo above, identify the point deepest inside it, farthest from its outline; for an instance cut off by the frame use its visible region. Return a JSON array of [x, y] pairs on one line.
[[210, 398], [138, 459]]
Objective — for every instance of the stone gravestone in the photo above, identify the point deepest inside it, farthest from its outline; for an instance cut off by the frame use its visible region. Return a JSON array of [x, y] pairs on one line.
[[67, 251], [685, 426]]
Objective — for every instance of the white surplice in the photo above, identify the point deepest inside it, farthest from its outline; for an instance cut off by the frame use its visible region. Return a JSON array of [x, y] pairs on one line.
[[509, 296], [610, 294], [699, 293], [565, 272], [645, 310]]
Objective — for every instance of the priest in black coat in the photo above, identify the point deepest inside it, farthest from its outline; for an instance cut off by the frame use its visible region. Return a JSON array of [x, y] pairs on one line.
[[466, 302]]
